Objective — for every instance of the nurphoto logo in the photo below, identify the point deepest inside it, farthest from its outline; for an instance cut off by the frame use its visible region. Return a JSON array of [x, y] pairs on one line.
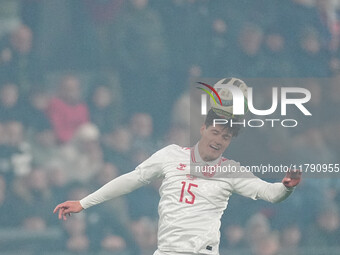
[[231, 98]]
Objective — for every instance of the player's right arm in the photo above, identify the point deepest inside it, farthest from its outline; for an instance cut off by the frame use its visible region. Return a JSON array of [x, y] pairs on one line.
[[150, 169], [117, 187]]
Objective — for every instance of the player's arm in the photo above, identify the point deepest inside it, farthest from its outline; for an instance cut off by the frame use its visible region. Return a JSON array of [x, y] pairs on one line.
[[149, 170], [256, 188], [119, 186], [277, 192]]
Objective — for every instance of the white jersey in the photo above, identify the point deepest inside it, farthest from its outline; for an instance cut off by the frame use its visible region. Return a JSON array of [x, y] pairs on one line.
[[191, 207]]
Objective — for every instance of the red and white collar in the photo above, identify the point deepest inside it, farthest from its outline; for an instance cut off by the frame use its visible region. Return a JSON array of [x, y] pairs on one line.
[[196, 157]]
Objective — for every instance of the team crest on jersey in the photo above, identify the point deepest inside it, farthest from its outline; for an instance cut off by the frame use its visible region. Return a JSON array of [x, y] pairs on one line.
[[181, 167], [209, 171]]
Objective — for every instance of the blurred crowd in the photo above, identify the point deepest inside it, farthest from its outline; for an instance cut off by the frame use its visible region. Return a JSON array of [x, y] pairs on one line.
[[90, 89]]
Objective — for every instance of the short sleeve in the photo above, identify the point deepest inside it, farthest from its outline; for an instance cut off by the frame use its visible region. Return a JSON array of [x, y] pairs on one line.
[[152, 168]]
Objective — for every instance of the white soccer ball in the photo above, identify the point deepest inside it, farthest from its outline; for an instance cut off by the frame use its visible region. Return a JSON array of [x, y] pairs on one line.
[[226, 109]]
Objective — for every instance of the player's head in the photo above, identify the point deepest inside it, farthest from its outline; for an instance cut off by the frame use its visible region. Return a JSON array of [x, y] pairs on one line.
[[215, 138], [209, 121]]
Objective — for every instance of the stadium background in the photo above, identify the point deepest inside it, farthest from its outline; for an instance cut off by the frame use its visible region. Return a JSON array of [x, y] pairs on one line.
[[124, 67]]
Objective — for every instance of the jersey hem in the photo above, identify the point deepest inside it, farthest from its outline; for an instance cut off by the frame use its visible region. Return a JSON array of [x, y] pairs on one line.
[[181, 250]]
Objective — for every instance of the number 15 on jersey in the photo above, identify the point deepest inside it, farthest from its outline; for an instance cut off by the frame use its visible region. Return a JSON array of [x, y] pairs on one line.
[[188, 190]]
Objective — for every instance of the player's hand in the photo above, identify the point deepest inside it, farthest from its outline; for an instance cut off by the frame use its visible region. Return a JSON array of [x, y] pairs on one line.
[[66, 208], [292, 178]]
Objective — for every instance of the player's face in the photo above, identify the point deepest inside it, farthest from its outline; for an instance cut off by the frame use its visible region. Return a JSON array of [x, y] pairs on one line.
[[214, 141]]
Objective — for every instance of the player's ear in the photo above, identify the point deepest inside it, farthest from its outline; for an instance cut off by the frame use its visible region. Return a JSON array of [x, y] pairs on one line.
[[203, 128]]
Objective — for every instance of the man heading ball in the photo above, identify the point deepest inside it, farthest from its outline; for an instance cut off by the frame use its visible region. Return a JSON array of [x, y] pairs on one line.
[[190, 206]]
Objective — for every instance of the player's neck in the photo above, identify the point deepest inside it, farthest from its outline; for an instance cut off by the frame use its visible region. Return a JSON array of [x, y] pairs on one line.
[[203, 155]]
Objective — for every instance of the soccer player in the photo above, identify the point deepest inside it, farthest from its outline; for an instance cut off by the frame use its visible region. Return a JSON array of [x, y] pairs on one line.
[[191, 205]]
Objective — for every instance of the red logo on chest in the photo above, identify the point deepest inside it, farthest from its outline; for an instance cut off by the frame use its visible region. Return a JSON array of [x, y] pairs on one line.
[[181, 167]]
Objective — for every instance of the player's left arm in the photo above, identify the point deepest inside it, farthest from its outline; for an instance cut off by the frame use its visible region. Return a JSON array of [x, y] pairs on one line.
[[292, 178], [277, 192], [256, 188]]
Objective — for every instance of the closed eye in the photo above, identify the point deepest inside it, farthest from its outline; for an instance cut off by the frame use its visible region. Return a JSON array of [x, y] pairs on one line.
[[215, 132], [227, 137]]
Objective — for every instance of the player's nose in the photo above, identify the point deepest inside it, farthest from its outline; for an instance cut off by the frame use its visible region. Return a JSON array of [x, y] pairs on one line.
[[217, 143]]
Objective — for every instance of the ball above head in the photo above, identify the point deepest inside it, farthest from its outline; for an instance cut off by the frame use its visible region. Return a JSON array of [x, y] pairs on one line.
[[222, 103]]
